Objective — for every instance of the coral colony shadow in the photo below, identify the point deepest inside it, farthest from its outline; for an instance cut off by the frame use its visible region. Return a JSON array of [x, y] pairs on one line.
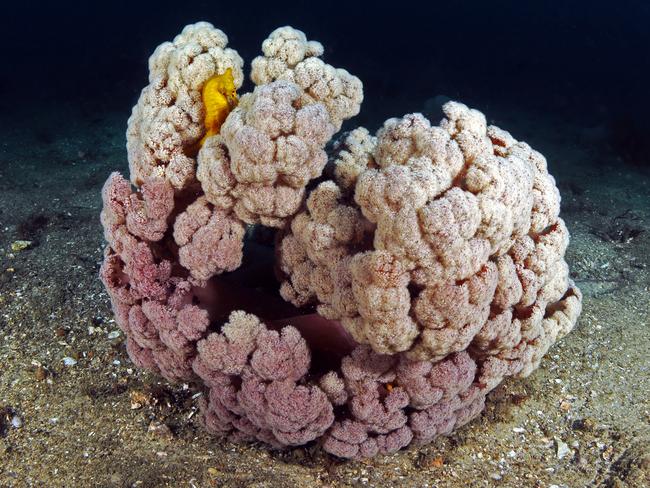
[[417, 268]]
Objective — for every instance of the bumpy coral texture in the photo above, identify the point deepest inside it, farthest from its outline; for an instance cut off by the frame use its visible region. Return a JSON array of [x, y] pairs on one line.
[[210, 239], [260, 389], [439, 250], [273, 143], [269, 148], [432, 240], [289, 56], [153, 303], [167, 122]]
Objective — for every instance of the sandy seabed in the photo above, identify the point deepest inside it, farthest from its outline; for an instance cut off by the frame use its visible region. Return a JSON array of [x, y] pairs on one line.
[[75, 413]]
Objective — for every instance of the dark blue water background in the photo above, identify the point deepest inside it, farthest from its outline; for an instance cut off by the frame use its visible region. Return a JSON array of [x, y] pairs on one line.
[[585, 62]]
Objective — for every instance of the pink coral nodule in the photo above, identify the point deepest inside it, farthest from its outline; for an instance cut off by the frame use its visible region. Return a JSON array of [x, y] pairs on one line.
[[366, 311]]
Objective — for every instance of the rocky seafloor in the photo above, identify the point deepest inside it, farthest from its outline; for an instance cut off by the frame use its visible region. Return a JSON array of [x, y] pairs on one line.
[[74, 412]]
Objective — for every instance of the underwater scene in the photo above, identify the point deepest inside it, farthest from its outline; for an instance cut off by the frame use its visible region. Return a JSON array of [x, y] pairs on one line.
[[325, 244]]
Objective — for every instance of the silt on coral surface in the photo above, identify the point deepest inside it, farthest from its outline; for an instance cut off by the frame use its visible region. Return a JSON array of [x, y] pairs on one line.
[[418, 267]]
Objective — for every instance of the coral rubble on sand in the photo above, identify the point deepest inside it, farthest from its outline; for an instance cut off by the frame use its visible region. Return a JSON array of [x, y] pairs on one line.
[[433, 254]]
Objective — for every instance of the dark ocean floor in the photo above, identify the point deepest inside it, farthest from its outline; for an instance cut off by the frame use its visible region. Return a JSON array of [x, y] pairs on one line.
[[75, 413]]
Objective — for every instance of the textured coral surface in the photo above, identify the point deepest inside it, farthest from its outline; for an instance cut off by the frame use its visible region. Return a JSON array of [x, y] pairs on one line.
[[433, 256], [434, 239]]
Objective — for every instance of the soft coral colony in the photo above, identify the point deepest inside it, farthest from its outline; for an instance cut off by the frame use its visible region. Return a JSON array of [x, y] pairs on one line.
[[419, 267]]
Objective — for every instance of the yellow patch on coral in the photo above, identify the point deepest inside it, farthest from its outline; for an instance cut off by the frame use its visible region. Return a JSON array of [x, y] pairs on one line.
[[219, 98]]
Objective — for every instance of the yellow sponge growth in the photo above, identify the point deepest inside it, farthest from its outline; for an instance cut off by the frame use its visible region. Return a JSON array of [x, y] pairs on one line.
[[219, 98]]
